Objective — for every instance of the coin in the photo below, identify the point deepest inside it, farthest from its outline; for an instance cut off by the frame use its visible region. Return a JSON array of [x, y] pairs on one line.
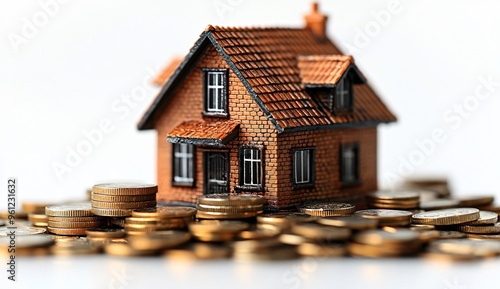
[[485, 218], [73, 224], [481, 248], [34, 207], [316, 231], [164, 212], [120, 189], [483, 236], [384, 237], [2, 223], [218, 226], [75, 219], [123, 205], [125, 250], [351, 222], [439, 204], [285, 219], [69, 210], [259, 233], [229, 209], [19, 215], [159, 240], [487, 229], [292, 239], [328, 209], [76, 248], [111, 212], [27, 241], [476, 201], [230, 199], [387, 217], [374, 251], [219, 215], [106, 233], [447, 216], [321, 250], [67, 231], [123, 198], [5, 231], [204, 251], [394, 195]]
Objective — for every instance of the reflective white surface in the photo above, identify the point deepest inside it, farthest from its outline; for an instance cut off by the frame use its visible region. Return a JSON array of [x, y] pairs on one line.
[[115, 272]]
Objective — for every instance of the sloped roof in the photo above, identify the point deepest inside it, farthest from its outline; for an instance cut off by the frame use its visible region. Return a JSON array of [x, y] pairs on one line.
[[265, 60], [325, 69], [165, 74], [200, 132]]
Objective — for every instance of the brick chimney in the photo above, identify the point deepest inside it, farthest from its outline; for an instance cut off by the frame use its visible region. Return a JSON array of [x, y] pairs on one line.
[[316, 21]]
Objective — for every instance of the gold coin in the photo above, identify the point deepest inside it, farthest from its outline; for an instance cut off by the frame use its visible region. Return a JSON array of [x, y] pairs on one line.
[[285, 219], [157, 221], [164, 212], [476, 201], [394, 195], [383, 237], [123, 198], [85, 225], [125, 250], [123, 205], [351, 222], [229, 209], [487, 229], [259, 233], [439, 204], [292, 239], [37, 218], [328, 209], [112, 212], [34, 208], [218, 226], [19, 215], [220, 215], [231, 200], [321, 250], [4, 231], [433, 254], [481, 248], [67, 231], [159, 241], [120, 189], [78, 248], [485, 218], [316, 231], [446, 235], [483, 236], [204, 251], [387, 217], [396, 206], [446, 216], [421, 228], [375, 251], [69, 210], [2, 223], [75, 219], [283, 252], [106, 233]]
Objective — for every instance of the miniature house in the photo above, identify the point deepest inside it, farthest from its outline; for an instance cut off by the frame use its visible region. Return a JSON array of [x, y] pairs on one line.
[[278, 112]]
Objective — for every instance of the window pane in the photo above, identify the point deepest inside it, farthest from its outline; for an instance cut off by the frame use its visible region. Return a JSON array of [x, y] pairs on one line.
[[305, 165]]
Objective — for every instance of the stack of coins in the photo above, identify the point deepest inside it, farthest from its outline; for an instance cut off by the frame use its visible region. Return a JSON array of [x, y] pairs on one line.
[[229, 206], [145, 221], [486, 225], [119, 199], [328, 209], [71, 219], [395, 218], [406, 200], [38, 220], [383, 243]]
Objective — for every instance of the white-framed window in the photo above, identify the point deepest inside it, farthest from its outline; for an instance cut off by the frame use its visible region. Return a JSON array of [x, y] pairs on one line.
[[250, 167], [343, 94], [349, 163], [215, 91], [303, 166], [183, 167]]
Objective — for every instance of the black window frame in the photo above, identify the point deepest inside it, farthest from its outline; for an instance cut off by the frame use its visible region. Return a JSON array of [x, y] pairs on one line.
[[357, 178], [241, 169], [193, 167], [312, 168], [225, 93], [347, 80]]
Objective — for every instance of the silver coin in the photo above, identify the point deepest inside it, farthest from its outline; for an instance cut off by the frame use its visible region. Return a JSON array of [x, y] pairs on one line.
[[5, 231], [27, 241]]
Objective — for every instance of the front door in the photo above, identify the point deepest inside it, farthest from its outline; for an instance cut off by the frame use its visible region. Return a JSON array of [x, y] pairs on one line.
[[216, 172]]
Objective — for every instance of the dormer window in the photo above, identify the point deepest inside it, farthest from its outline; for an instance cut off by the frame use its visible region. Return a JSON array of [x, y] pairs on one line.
[[343, 95], [215, 92]]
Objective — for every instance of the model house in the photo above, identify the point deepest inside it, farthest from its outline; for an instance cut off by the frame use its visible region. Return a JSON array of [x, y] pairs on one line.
[[278, 112]]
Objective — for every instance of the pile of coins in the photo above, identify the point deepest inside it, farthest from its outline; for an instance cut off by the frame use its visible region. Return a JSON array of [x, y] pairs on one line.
[[119, 199], [71, 219], [145, 221], [229, 206]]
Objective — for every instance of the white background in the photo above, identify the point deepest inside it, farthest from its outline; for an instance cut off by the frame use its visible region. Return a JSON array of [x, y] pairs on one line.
[[79, 66]]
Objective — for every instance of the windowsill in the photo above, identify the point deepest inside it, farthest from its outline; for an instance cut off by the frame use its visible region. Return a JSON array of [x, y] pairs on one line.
[[183, 184], [303, 186], [249, 188], [215, 115], [351, 184]]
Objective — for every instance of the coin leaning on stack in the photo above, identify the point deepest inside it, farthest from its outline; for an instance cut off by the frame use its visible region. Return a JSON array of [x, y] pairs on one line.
[[229, 206], [119, 199], [71, 219]]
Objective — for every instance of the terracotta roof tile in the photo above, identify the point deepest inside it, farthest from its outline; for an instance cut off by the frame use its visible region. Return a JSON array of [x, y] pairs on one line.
[[165, 74], [323, 69], [201, 132]]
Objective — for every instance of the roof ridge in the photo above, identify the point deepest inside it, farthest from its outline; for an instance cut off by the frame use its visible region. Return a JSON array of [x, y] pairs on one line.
[[253, 28]]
